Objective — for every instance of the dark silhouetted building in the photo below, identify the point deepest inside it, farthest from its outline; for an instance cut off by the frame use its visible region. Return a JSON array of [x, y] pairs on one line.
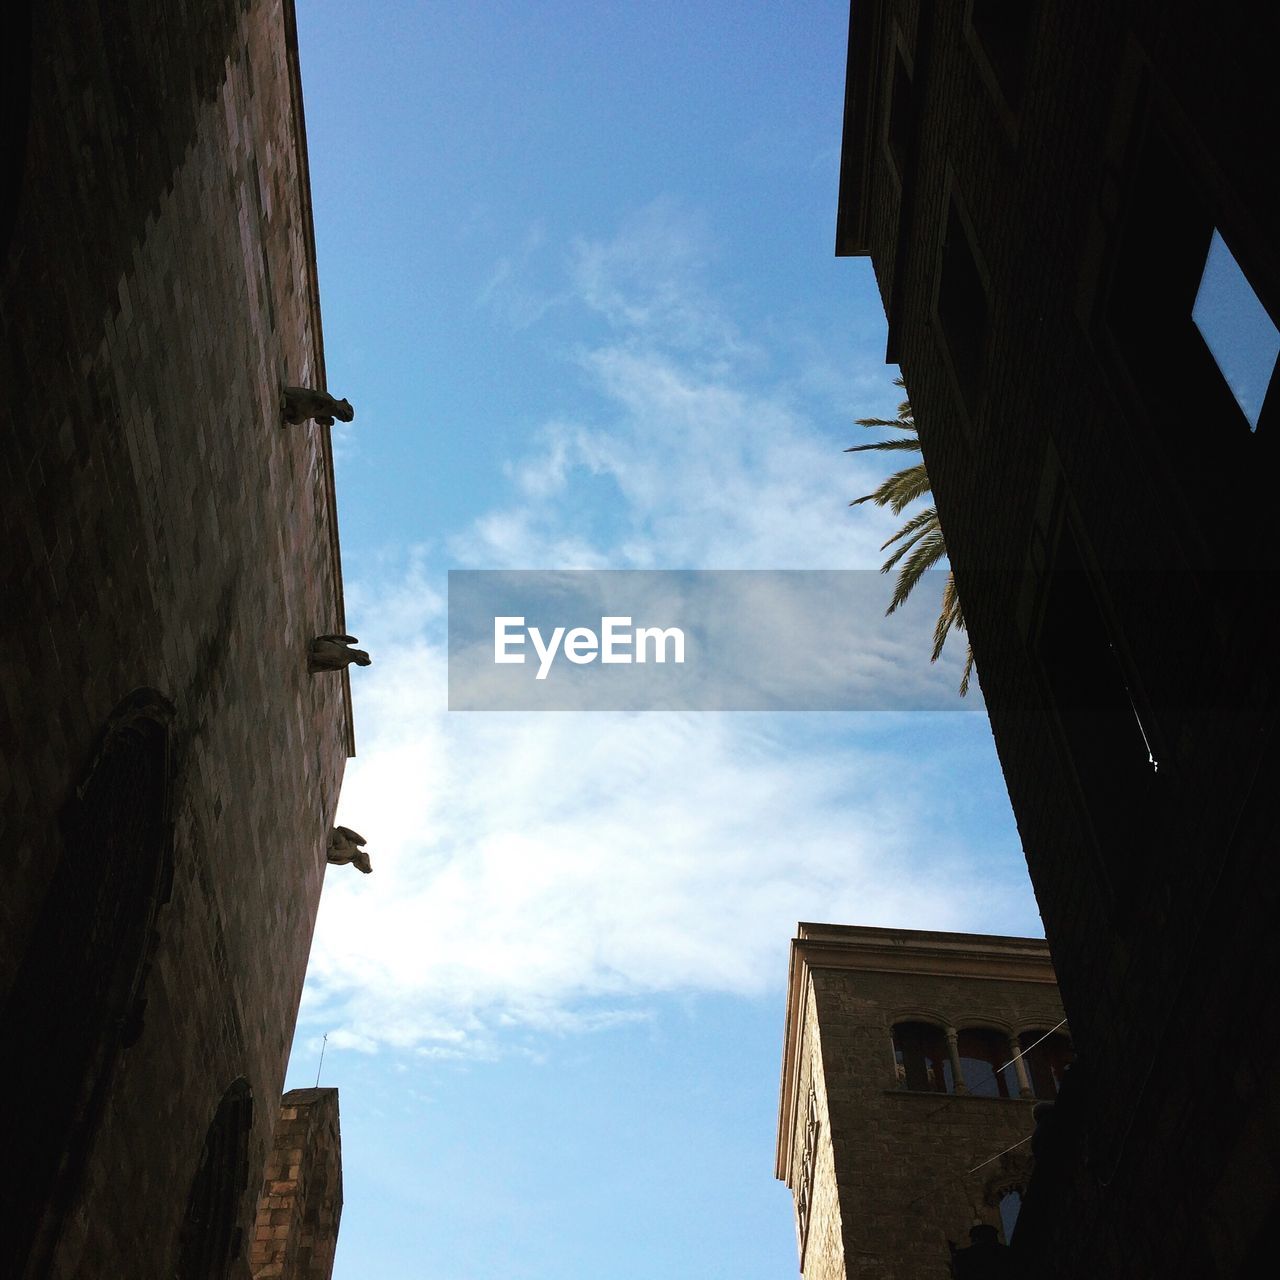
[[169, 768], [911, 1068], [1072, 213]]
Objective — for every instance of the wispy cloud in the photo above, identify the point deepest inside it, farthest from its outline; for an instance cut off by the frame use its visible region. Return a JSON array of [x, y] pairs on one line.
[[510, 291], [547, 872]]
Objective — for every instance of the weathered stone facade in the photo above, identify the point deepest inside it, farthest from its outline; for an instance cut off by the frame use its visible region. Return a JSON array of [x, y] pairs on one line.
[[885, 1174], [169, 769], [301, 1201], [1038, 187]]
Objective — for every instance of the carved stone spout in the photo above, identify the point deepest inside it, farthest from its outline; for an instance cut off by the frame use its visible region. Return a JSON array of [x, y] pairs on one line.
[[297, 404], [346, 846], [334, 653]]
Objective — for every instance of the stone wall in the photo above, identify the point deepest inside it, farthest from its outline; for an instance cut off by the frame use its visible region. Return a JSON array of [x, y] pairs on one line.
[[301, 1201], [819, 1236], [162, 531], [899, 1173]]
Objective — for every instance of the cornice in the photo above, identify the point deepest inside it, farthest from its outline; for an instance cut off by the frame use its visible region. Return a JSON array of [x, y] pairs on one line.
[[864, 949]]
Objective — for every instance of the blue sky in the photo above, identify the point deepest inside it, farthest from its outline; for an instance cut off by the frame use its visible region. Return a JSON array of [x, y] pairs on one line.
[[577, 279]]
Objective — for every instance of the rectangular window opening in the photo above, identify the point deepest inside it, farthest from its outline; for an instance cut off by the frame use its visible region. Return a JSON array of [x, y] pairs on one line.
[[962, 308], [900, 113], [1010, 1207], [1004, 29], [1197, 341], [1238, 330]]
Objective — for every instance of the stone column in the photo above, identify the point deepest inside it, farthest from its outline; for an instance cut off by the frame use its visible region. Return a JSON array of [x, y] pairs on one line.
[[1020, 1068], [899, 1073], [953, 1051]]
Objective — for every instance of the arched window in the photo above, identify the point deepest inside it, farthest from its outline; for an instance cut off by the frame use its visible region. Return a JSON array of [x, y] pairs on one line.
[[1010, 1206], [212, 1237], [920, 1052], [982, 1055], [1045, 1061], [80, 991]]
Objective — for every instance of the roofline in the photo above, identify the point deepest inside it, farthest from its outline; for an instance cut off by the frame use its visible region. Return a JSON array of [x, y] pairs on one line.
[[855, 144], [317, 337], [867, 949]]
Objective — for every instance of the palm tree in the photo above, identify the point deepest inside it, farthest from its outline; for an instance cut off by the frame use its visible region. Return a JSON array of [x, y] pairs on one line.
[[920, 539]]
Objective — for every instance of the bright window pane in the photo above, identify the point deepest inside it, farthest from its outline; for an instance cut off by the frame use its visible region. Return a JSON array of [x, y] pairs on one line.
[[1010, 1203], [1236, 328]]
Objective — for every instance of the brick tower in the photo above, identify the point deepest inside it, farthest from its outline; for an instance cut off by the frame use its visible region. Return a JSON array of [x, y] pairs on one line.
[[301, 1201], [911, 1067]]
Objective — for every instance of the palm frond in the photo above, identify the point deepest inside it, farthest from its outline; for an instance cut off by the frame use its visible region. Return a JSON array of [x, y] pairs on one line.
[[898, 490], [906, 548], [950, 616], [901, 423], [922, 519], [927, 552], [886, 446], [919, 543]]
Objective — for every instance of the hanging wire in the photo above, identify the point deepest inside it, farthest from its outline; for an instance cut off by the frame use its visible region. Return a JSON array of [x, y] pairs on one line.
[[1022, 1053], [323, 1043], [958, 1177], [998, 1154]]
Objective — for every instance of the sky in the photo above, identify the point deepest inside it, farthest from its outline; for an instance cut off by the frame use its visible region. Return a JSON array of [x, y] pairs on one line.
[[577, 277]]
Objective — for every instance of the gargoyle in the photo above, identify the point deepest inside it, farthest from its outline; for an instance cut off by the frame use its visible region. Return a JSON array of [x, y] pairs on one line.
[[334, 653], [297, 404], [345, 846]]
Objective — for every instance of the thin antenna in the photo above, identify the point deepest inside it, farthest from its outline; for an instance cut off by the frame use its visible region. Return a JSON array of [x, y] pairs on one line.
[[323, 1042]]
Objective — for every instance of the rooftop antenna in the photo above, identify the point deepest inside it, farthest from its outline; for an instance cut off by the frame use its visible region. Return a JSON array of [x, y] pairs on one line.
[[323, 1042]]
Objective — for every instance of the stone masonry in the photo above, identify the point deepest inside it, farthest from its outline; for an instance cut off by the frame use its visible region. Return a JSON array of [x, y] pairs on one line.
[[301, 1201], [168, 548], [883, 1175]]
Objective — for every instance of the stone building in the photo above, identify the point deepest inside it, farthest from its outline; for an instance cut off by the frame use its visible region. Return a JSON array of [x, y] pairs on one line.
[[169, 768], [301, 1201], [911, 1065], [1073, 218]]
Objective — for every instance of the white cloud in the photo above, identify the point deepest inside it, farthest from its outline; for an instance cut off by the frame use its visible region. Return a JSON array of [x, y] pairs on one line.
[[649, 281], [548, 872], [544, 870], [695, 472], [509, 291]]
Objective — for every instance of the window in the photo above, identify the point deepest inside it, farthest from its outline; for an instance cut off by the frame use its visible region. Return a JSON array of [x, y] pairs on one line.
[[1010, 1204], [920, 1053], [212, 1237], [982, 1055], [1003, 28], [90, 952], [1197, 341], [1045, 1061], [963, 310], [1235, 326], [808, 1164], [901, 115]]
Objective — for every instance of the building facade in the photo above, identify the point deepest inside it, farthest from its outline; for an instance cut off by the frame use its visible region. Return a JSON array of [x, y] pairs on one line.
[[1052, 195], [912, 1064], [169, 765], [300, 1207]]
